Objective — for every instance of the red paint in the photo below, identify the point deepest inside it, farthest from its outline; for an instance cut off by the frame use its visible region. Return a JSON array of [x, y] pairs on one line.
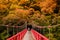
[[18, 36], [39, 36]]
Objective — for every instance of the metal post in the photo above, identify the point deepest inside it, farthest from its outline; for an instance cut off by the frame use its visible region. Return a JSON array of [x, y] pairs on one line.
[[7, 30], [40, 30], [25, 25], [43, 31], [16, 29], [49, 32], [13, 30]]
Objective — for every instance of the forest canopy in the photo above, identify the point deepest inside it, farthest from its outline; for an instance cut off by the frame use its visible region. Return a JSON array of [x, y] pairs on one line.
[[28, 9]]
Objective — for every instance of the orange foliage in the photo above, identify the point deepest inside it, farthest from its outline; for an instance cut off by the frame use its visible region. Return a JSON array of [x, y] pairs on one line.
[[13, 1], [2, 6], [23, 1], [21, 11], [48, 5]]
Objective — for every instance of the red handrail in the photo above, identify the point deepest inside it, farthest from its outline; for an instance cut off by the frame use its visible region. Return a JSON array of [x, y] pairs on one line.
[[38, 36], [18, 36]]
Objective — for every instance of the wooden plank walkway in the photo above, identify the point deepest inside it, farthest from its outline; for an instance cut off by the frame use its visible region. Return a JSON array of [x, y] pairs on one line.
[[28, 36]]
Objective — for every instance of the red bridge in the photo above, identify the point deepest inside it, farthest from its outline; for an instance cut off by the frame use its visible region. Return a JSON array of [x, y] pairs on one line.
[[28, 35]]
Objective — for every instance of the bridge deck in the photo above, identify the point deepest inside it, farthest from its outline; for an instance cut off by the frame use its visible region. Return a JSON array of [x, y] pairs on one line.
[[28, 36]]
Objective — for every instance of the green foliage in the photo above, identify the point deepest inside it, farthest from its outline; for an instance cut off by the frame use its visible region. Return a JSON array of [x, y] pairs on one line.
[[54, 33]]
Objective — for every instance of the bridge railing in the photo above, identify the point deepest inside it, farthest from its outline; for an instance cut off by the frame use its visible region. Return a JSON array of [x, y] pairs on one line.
[[18, 36], [38, 36]]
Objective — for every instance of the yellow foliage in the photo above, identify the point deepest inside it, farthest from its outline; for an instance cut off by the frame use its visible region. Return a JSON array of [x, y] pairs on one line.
[[14, 6], [10, 16]]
